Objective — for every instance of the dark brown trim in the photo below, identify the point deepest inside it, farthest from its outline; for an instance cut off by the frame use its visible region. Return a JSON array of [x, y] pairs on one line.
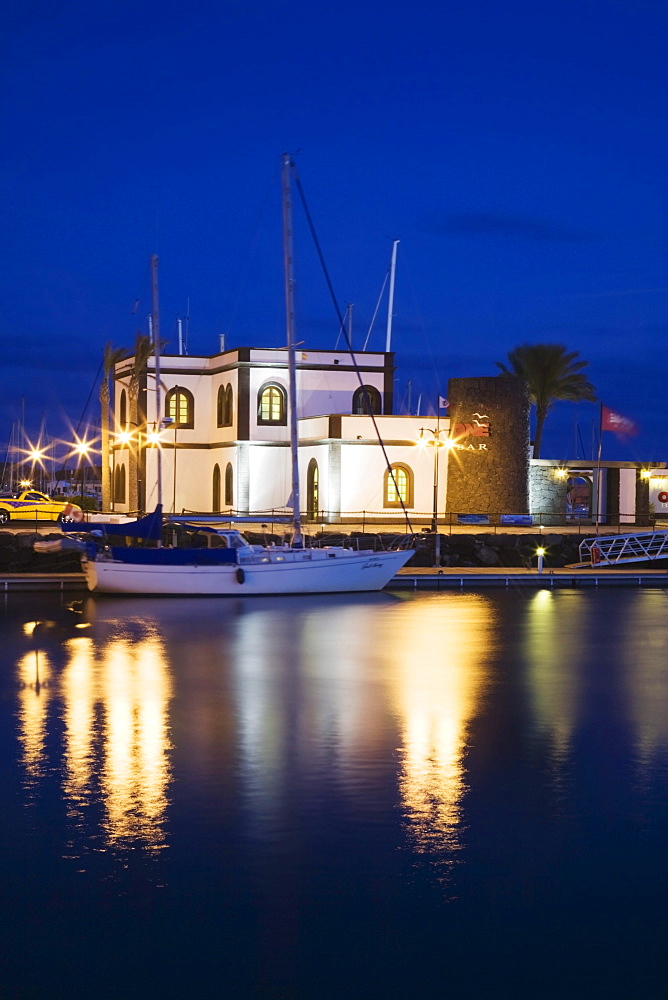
[[388, 383], [243, 404], [335, 425]]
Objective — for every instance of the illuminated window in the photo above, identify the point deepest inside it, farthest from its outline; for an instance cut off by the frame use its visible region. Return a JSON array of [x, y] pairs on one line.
[[271, 407], [123, 411], [367, 400], [312, 490], [180, 407], [229, 485], [398, 487]]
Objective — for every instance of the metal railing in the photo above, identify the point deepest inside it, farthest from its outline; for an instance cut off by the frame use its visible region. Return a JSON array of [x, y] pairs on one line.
[[614, 549]]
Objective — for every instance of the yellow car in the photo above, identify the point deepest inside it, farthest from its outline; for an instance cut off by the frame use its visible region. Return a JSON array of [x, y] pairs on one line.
[[33, 506]]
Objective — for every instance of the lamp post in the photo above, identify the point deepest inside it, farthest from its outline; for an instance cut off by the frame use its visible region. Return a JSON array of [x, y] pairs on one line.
[[435, 442]]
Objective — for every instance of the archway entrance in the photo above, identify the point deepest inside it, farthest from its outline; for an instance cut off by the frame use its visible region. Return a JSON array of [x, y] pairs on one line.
[[578, 495]]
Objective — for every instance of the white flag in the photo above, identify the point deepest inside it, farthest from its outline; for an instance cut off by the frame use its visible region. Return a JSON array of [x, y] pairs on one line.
[[443, 403]]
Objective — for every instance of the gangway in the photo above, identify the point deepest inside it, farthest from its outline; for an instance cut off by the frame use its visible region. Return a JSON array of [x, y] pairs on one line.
[[611, 550]]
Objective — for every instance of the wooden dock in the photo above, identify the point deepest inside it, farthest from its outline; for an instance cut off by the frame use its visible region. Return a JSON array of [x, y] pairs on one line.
[[420, 578], [449, 578]]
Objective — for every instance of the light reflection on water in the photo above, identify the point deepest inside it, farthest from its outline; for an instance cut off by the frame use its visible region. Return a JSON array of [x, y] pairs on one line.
[[438, 655], [112, 699], [352, 756], [329, 689]]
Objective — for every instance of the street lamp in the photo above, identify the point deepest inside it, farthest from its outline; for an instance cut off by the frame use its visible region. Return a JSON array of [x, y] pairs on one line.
[[81, 448], [435, 442]]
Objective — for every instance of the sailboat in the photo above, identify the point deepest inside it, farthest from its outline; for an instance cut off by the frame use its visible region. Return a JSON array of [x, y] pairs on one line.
[[204, 560]]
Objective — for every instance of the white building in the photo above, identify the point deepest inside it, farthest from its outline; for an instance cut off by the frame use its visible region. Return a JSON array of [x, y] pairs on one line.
[[224, 437]]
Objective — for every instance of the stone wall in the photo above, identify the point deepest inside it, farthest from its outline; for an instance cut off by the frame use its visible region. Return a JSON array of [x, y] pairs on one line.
[[548, 494], [488, 467]]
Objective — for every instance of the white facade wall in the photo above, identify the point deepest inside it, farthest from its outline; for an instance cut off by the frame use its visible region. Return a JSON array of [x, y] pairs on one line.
[[270, 480], [627, 495], [351, 466]]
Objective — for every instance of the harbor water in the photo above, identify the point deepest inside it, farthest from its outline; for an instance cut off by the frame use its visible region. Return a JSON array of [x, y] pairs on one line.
[[409, 795]]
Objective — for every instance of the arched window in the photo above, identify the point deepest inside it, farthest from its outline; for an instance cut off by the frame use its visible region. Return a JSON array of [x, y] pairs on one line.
[[312, 490], [215, 506], [180, 407], [119, 484], [398, 487], [366, 399], [224, 406], [228, 407], [123, 411], [272, 404], [229, 485]]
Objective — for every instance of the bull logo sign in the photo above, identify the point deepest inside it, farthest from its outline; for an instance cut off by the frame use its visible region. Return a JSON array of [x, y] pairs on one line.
[[477, 428]]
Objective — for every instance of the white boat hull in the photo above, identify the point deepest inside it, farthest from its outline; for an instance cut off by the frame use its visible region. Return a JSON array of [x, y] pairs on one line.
[[310, 571]]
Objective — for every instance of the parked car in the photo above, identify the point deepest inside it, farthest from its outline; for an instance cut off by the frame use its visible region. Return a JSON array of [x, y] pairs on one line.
[[30, 505]]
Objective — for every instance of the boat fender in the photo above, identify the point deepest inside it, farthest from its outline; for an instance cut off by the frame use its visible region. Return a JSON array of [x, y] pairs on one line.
[[241, 576]]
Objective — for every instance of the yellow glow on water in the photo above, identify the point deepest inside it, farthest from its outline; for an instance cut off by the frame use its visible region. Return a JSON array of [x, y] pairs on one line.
[[34, 675], [552, 647], [439, 653], [79, 718], [136, 690], [119, 691], [29, 627]]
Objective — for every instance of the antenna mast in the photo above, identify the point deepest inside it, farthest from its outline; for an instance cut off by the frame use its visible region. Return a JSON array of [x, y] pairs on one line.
[[155, 327], [290, 328], [390, 301]]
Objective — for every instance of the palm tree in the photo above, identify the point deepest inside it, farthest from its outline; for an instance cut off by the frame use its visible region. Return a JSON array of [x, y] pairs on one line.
[[143, 351], [112, 355], [551, 373]]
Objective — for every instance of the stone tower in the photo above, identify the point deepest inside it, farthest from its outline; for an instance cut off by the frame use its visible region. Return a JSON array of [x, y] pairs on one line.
[[488, 465]]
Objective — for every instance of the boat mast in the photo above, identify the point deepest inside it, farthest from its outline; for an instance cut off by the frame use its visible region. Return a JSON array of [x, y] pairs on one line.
[[297, 538], [155, 328], [390, 301]]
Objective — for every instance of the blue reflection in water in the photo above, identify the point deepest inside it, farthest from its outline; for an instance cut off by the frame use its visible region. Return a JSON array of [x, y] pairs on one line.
[[460, 793]]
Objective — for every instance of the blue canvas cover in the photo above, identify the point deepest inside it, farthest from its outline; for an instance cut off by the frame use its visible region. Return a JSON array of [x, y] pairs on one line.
[[149, 527]]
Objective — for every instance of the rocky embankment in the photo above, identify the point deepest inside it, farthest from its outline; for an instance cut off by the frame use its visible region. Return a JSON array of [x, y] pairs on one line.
[[484, 550], [17, 555], [503, 550]]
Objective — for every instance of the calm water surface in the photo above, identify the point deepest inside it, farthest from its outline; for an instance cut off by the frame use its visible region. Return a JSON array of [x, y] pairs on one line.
[[457, 795]]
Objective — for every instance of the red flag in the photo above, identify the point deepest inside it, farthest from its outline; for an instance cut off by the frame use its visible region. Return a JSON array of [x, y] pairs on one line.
[[611, 421]]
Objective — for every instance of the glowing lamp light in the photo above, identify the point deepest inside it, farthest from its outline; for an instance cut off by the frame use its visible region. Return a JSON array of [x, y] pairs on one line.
[[153, 437], [540, 552], [561, 473], [124, 437], [645, 474], [25, 484]]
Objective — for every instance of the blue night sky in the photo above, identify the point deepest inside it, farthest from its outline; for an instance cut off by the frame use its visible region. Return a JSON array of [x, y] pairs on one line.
[[518, 153]]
